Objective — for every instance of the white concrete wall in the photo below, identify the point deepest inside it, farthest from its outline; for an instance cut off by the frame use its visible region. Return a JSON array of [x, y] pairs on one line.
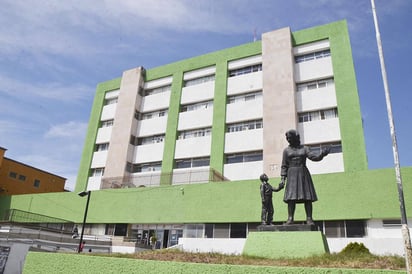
[[376, 229], [310, 99], [246, 140], [311, 47], [244, 111], [93, 183], [243, 83], [199, 73], [155, 102], [198, 93], [330, 164], [148, 153], [103, 135], [206, 245], [244, 62], [193, 147], [158, 82], [123, 249], [108, 112], [377, 246], [152, 126], [195, 119], [313, 69], [99, 159], [149, 178], [320, 131], [112, 94], [243, 171], [191, 175]]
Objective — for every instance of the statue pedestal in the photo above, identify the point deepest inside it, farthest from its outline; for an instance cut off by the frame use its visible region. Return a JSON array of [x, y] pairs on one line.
[[285, 241], [294, 227]]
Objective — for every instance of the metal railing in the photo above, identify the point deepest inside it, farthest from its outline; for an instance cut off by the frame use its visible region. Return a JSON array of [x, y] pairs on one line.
[[150, 179], [51, 239]]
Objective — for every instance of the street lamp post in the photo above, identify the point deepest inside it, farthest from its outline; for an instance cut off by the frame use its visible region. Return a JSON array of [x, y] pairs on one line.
[[82, 194], [404, 221]]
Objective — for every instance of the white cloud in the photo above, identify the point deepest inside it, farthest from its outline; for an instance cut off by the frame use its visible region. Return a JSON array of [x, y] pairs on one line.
[[50, 90], [70, 129]]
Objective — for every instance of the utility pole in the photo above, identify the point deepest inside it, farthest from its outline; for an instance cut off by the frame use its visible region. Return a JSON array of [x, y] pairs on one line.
[[404, 221]]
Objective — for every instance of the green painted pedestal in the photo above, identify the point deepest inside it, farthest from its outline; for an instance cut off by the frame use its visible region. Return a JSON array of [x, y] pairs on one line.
[[285, 244]]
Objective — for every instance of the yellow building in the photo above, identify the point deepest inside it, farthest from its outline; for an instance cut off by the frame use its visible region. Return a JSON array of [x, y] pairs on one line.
[[19, 178]]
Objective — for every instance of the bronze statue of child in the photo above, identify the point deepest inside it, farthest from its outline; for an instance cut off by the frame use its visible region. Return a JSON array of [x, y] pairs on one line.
[[266, 194]]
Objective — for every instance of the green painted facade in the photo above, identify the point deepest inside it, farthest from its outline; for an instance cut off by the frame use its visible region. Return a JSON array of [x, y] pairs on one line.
[[370, 194], [353, 144], [350, 118], [357, 193], [285, 244]]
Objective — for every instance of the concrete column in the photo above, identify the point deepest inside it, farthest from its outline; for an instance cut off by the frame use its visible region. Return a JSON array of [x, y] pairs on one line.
[[279, 111], [120, 151]]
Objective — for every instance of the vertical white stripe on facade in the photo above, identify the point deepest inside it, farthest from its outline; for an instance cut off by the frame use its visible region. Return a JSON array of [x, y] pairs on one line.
[[199, 73], [311, 47], [244, 83], [158, 82], [198, 93], [244, 62], [155, 102]]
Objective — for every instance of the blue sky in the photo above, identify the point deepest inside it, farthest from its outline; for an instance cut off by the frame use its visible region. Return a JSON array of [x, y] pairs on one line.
[[53, 54]]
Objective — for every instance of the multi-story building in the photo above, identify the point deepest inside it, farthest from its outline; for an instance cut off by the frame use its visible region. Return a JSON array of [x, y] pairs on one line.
[[224, 114], [177, 150], [19, 178]]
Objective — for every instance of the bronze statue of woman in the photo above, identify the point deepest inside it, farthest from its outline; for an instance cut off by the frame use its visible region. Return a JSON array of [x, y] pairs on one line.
[[299, 184]]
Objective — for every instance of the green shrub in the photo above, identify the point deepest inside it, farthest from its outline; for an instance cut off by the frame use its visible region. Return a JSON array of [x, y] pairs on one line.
[[355, 249]]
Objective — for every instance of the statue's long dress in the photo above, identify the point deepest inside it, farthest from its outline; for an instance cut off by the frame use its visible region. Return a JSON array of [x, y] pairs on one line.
[[299, 186]]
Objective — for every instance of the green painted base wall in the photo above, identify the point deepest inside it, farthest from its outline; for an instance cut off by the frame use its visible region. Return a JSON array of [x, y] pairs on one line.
[[290, 244], [72, 263], [368, 194]]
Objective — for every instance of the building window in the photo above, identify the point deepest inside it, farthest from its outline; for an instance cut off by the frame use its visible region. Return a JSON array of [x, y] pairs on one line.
[[208, 230], [244, 97], [248, 125], [222, 231], [312, 56], [22, 177], [343, 229], [315, 84], [146, 167], [199, 80], [244, 157], [102, 147], [195, 133], [151, 115], [110, 101], [238, 230], [192, 162], [335, 147], [197, 106], [245, 70], [391, 222], [107, 123], [335, 229], [13, 175], [318, 115], [148, 92], [36, 183], [355, 228], [97, 172], [193, 231], [150, 140]]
